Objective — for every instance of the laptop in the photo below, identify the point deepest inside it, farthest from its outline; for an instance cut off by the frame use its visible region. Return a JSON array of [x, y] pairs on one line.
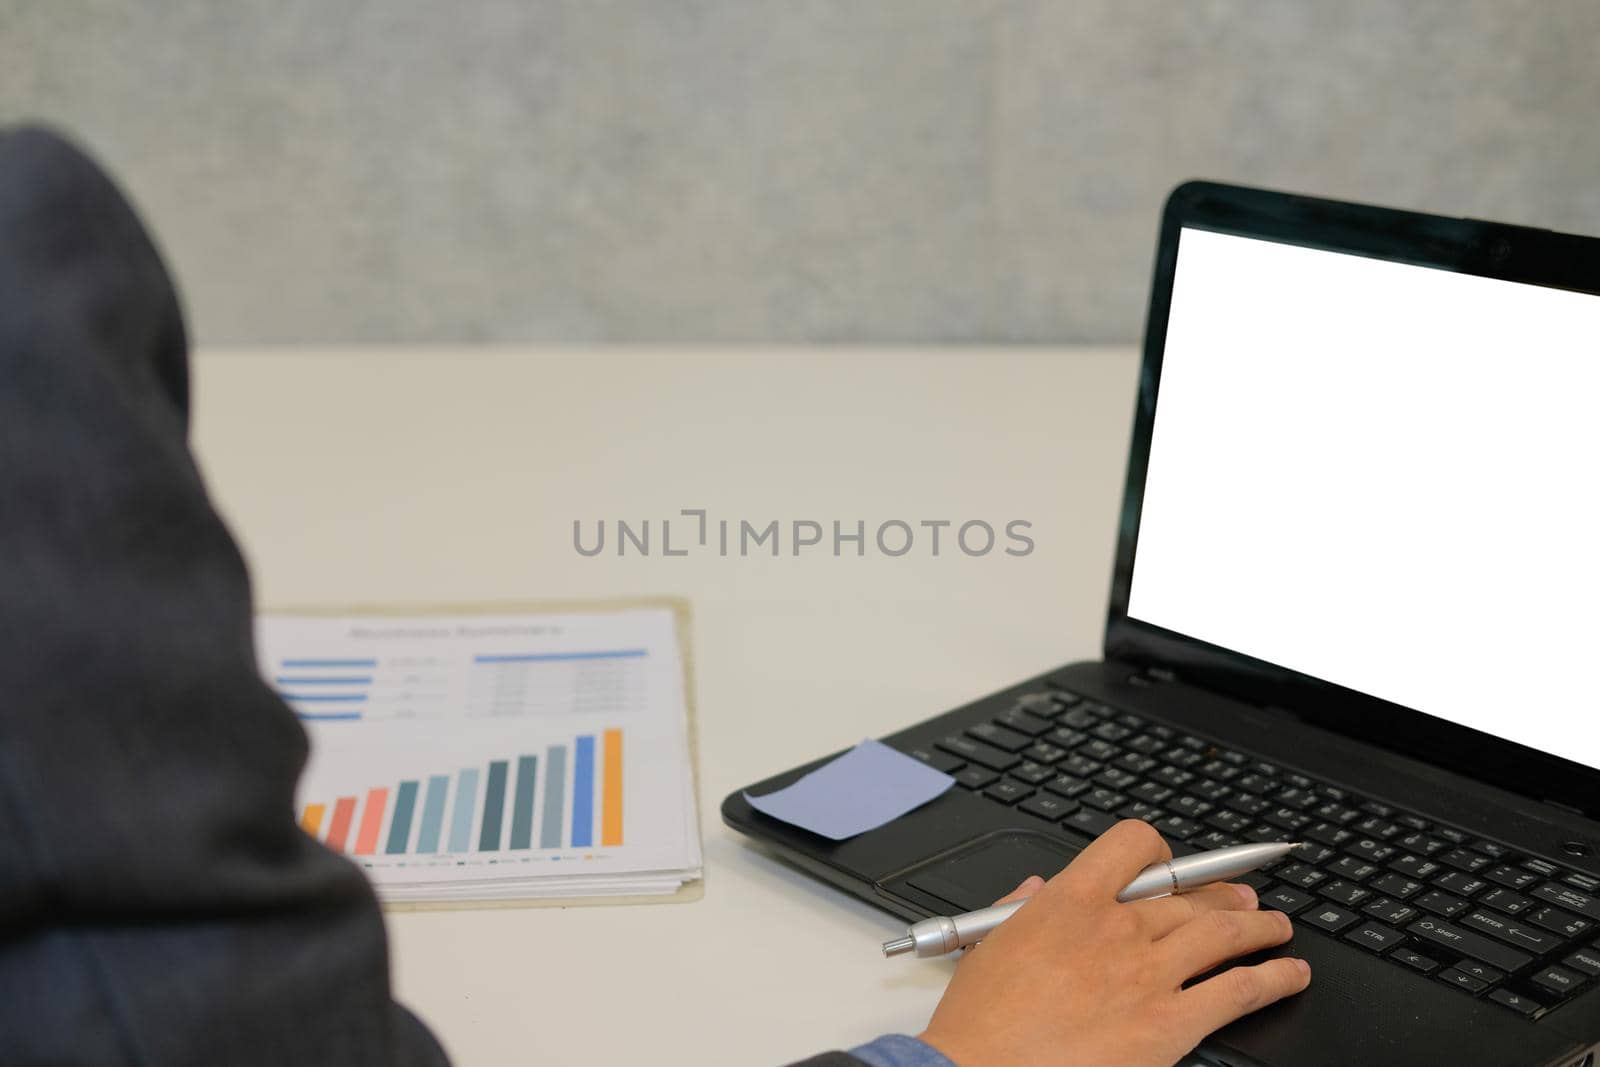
[[1356, 602]]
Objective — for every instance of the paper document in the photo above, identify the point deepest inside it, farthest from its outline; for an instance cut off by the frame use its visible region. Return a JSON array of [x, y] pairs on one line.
[[861, 790], [483, 757]]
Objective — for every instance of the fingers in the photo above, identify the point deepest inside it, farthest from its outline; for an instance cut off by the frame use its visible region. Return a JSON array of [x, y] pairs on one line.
[[1102, 870], [1166, 914], [1218, 1001], [1030, 885], [1218, 936]]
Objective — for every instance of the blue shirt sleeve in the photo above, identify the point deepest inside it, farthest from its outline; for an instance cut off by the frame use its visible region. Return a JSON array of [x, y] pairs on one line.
[[898, 1050]]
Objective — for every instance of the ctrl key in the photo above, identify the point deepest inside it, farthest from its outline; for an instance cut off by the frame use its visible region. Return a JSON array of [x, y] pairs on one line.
[[1374, 937]]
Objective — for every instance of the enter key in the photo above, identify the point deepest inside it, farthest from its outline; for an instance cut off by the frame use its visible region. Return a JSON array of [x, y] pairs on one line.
[[1512, 932]]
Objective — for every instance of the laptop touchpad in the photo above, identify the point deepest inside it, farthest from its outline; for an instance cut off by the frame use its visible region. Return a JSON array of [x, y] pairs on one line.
[[979, 873]]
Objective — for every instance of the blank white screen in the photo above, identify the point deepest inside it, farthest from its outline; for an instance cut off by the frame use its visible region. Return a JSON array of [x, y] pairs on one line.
[[1384, 476]]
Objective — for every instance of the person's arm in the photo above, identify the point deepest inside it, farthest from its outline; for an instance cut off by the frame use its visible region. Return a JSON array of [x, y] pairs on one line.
[[158, 904], [890, 1050], [1077, 978]]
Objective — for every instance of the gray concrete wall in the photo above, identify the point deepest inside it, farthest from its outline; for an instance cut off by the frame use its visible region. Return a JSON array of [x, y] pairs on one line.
[[774, 170]]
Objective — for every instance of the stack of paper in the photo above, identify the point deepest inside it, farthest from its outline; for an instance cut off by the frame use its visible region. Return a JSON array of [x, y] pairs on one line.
[[494, 757]]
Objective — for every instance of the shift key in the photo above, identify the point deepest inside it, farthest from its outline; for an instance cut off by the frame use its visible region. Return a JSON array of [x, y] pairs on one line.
[[1469, 944]]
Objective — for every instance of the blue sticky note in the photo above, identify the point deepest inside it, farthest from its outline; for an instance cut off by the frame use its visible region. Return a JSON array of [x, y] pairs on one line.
[[866, 787]]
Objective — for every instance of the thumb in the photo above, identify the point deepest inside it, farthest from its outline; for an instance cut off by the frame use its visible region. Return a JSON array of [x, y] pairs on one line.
[[1030, 885]]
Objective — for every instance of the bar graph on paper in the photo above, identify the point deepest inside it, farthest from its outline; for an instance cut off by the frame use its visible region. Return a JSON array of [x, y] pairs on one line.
[[564, 797], [485, 757]]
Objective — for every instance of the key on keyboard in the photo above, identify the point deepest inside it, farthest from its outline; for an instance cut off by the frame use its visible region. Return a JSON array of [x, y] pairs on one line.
[[1512, 929]]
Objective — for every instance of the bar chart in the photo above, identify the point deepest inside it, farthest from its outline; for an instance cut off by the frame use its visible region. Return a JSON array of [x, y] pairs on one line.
[[493, 756], [566, 796], [326, 689]]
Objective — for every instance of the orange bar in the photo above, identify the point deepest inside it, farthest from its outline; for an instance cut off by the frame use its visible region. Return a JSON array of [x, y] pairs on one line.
[[343, 811], [371, 821], [611, 795], [311, 821]]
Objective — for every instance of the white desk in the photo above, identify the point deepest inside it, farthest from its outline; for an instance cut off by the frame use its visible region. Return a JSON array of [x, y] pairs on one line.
[[434, 475]]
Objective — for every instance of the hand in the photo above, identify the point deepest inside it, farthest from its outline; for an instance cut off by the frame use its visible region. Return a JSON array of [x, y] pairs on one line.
[[1076, 978]]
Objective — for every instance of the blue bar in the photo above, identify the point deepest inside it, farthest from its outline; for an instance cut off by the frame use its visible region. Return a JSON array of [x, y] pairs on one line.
[[326, 698], [461, 820], [405, 803], [583, 794], [328, 663], [432, 814], [550, 657], [522, 802], [494, 807], [555, 791], [329, 716], [311, 679]]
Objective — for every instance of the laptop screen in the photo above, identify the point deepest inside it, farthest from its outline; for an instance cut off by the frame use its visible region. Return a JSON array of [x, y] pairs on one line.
[[1384, 476]]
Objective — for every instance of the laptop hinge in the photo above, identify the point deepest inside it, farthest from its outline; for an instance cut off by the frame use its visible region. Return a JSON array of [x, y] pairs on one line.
[[1143, 677]]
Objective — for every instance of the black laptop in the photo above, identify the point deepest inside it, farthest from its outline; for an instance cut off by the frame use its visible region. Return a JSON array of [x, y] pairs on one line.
[[1357, 603]]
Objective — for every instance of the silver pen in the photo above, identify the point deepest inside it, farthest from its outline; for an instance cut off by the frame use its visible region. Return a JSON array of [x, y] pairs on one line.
[[944, 934]]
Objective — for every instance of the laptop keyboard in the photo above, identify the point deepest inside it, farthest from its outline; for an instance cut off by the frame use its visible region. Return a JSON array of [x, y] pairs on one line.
[[1471, 913]]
